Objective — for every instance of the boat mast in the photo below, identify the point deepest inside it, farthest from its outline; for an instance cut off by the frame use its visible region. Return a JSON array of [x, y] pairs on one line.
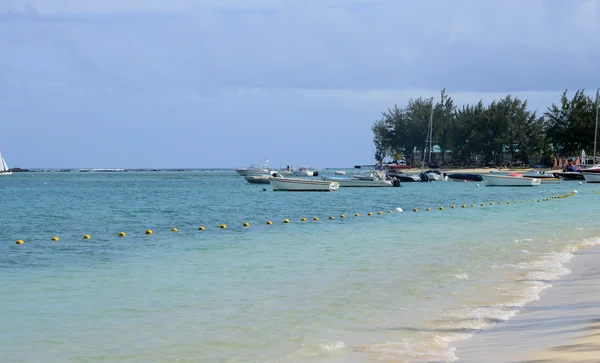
[[596, 131], [430, 130]]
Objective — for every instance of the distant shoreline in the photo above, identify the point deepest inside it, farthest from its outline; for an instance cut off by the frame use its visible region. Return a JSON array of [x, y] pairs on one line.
[[122, 170]]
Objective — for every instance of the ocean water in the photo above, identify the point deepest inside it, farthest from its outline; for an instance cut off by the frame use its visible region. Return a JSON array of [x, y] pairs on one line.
[[393, 286]]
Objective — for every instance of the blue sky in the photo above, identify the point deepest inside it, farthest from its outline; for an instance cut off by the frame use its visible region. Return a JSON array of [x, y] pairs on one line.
[[226, 83]]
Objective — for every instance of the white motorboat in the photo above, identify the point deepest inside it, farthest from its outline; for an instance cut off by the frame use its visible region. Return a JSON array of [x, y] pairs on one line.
[[495, 180], [279, 183], [373, 179], [255, 169], [591, 177], [339, 172], [4, 170], [545, 178], [304, 171], [257, 179], [435, 175]]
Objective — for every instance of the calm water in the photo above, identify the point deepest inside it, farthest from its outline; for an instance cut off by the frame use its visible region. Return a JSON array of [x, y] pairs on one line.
[[396, 286]]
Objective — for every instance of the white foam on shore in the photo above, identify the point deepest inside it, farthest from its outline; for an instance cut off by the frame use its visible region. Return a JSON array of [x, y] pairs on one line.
[[464, 322], [333, 346]]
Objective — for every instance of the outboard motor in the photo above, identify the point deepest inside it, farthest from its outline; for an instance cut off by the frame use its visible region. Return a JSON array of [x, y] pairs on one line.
[[396, 182], [315, 173], [274, 175], [423, 177]]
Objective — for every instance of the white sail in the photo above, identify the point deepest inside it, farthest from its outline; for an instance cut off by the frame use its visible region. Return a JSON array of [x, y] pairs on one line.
[[3, 166]]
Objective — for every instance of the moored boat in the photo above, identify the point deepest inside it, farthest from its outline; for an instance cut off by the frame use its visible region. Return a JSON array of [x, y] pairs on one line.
[[255, 169], [494, 180], [279, 183], [435, 175], [591, 177], [569, 175], [544, 178], [304, 171], [363, 182], [463, 177]]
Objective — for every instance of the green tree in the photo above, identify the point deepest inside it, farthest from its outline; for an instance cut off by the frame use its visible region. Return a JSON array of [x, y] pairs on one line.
[[570, 125]]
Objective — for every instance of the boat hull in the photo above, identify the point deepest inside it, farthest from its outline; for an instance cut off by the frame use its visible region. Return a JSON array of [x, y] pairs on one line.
[[570, 175], [591, 177], [509, 181], [257, 179], [463, 177], [251, 171], [5, 172], [357, 183], [303, 185]]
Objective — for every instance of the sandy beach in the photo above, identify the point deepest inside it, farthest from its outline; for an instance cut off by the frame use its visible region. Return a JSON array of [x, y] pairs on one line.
[[480, 170], [563, 326]]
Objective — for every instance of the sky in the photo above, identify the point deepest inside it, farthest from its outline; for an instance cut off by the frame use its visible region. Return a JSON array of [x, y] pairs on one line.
[[228, 83]]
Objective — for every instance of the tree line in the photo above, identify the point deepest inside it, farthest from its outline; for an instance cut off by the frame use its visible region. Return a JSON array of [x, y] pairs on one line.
[[502, 132]]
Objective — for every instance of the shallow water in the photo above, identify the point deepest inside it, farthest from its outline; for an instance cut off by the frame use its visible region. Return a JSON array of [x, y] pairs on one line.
[[399, 286]]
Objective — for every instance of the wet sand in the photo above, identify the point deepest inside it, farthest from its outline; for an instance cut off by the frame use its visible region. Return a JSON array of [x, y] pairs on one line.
[[563, 326]]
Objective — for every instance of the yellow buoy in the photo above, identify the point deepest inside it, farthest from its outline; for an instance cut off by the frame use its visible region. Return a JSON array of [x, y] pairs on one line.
[[86, 236], [357, 215], [499, 202], [342, 216], [201, 228], [507, 202], [463, 206], [389, 211], [19, 242], [428, 209], [472, 205], [149, 231], [380, 212], [415, 210], [223, 226], [286, 221], [453, 207], [246, 224], [269, 222], [331, 217], [173, 229], [491, 203], [302, 219], [369, 214], [482, 204], [55, 238], [315, 218], [122, 234], [441, 208]]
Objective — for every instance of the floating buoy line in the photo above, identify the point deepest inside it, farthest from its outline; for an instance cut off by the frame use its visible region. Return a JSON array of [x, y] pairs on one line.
[[246, 224]]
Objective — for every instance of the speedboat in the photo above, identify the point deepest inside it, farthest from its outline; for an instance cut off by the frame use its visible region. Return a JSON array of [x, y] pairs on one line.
[[304, 171], [279, 183], [403, 177], [495, 180], [435, 175], [545, 178], [373, 179], [569, 175], [465, 177], [591, 177], [255, 169]]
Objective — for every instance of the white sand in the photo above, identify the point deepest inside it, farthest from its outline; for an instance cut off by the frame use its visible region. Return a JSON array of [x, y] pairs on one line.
[[563, 326]]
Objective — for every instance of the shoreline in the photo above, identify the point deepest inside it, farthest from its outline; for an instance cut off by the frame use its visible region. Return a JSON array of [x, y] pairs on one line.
[[562, 326]]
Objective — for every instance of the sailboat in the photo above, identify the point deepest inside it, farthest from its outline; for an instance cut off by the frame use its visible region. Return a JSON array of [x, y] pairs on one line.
[[4, 170]]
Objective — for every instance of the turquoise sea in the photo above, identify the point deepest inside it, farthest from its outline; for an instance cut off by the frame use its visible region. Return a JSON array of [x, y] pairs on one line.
[[405, 286]]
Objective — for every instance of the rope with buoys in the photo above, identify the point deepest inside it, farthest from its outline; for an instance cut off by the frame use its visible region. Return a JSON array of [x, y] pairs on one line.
[[341, 216]]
